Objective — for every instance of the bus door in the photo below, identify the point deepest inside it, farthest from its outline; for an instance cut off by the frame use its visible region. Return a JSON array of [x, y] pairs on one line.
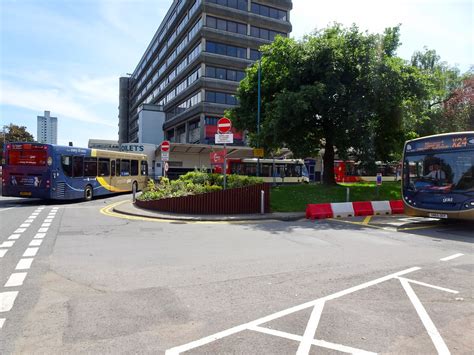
[[104, 172]]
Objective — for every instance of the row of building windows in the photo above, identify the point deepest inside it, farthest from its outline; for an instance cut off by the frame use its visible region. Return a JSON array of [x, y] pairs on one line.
[[224, 74], [159, 39], [191, 34], [180, 87], [236, 4], [183, 106], [225, 49], [264, 33], [268, 11], [225, 25], [221, 98]]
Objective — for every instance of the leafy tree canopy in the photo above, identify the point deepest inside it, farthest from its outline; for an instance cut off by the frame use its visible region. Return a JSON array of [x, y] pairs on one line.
[[338, 89]]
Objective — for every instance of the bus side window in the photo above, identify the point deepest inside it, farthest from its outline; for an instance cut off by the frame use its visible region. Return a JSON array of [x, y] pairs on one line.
[[78, 166], [112, 167], [124, 167], [144, 168], [117, 167], [90, 167], [104, 165], [134, 168], [66, 163]]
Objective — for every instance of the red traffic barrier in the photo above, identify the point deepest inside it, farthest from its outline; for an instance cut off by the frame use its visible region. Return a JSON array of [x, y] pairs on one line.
[[363, 208], [319, 211], [397, 206]]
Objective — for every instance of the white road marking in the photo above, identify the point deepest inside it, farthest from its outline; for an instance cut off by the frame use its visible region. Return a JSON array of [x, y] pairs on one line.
[[35, 214], [451, 257], [39, 235], [2, 322], [3, 252], [310, 332], [20, 230], [6, 209], [425, 318], [44, 225], [30, 220], [239, 328], [16, 279], [48, 220], [14, 236], [36, 242], [30, 252], [43, 230], [7, 299], [7, 244], [25, 225], [428, 285], [24, 264]]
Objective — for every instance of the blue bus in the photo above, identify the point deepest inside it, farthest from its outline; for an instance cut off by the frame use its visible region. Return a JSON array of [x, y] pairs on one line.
[[64, 173], [438, 176]]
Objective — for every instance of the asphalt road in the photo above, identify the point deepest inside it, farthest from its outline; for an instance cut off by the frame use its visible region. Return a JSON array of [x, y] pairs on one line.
[[76, 280]]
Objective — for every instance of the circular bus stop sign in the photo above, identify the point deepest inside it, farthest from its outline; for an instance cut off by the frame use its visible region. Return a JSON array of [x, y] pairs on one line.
[[224, 125]]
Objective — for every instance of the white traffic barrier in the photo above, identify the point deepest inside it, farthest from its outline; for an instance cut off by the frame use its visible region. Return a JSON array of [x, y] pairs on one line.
[[343, 209], [381, 207]]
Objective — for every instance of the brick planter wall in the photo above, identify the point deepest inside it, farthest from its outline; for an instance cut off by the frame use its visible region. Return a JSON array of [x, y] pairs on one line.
[[232, 201]]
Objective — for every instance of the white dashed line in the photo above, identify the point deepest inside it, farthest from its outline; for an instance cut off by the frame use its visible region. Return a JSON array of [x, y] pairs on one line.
[[30, 220], [48, 220], [43, 230], [16, 279], [45, 225], [7, 244], [7, 299], [39, 235], [30, 252], [3, 252], [20, 230], [14, 236], [24, 264], [36, 242], [25, 225], [2, 322], [451, 257]]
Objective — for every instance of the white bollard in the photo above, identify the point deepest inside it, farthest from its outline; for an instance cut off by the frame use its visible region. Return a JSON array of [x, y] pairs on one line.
[[262, 202]]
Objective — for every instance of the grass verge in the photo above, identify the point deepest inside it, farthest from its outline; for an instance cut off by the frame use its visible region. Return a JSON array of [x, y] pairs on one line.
[[294, 198]]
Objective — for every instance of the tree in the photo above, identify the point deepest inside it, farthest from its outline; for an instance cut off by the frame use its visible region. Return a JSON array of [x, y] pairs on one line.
[[339, 90], [458, 112], [14, 133]]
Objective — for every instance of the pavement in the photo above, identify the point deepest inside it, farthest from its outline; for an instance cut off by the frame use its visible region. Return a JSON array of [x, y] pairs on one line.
[[128, 208]]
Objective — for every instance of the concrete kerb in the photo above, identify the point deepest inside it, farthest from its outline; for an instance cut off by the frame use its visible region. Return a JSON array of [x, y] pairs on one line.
[[128, 208]]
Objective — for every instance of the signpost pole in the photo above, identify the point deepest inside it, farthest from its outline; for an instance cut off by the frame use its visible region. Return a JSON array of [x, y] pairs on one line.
[[225, 166], [258, 111]]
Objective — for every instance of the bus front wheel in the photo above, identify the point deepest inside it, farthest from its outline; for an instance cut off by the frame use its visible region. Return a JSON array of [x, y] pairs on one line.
[[88, 193]]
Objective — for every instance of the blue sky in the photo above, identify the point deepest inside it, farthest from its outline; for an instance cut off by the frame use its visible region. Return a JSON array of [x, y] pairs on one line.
[[66, 56]]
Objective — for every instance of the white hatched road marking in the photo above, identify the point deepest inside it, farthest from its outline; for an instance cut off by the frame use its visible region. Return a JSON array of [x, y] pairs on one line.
[[7, 299], [48, 220], [20, 230], [43, 230], [247, 326], [310, 332], [7, 244], [39, 235], [36, 242], [428, 285], [16, 279], [24, 264], [2, 322], [30, 252], [14, 236], [45, 225], [3, 252], [451, 257]]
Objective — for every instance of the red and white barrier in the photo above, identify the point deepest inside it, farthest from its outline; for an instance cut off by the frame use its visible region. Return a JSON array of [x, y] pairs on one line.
[[351, 209]]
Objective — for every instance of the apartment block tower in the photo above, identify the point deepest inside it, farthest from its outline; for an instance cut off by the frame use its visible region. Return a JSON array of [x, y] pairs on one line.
[[193, 65], [47, 129]]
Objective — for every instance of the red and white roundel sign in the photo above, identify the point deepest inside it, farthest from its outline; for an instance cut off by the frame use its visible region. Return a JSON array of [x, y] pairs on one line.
[[224, 125], [165, 146]]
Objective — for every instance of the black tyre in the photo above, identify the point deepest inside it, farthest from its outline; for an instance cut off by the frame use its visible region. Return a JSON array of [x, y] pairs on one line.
[[88, 193]]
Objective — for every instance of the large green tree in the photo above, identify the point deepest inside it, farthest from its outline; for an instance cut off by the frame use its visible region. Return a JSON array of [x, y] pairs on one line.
[[339, 89], [14, 133]]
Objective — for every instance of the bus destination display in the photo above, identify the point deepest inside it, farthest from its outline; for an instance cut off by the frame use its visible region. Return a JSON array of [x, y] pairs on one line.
[[441, 143]]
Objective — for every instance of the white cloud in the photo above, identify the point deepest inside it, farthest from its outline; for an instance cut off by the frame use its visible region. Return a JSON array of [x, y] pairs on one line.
[[98, 90]]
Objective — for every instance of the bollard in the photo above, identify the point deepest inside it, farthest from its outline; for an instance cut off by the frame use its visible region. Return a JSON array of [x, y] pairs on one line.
[[348, 193], [134, 191], [262, 202]]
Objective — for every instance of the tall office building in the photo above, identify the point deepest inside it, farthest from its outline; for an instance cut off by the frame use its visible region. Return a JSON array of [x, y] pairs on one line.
[[47, 129], [192, 66]]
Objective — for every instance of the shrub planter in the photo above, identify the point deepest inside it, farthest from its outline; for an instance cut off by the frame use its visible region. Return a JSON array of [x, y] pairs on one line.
[[244, 200]]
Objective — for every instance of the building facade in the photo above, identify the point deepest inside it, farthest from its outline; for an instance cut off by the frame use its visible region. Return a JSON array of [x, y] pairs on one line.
[[192, 67], [47, 129]]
